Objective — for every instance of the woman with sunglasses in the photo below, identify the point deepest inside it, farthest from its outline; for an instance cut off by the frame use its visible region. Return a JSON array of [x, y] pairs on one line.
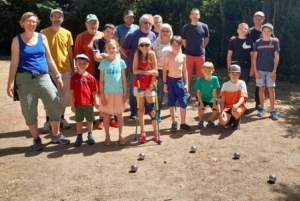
[[162, 48], [145, 71]]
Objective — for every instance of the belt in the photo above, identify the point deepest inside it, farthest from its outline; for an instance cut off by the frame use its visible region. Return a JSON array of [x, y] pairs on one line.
[[33, 73], [173, 78]]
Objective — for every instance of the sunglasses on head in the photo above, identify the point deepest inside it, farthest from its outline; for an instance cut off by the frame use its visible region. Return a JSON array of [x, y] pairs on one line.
[[144, 45]]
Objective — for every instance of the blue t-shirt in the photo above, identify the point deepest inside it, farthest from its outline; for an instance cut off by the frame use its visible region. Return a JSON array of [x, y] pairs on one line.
[[194, 36], [112, 75], [265, 54], [131, 44], [122, 31], [32, 58]]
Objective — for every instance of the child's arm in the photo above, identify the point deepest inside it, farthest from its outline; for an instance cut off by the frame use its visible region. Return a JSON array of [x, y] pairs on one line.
[[252, 67], [166, 63], [135, 65], [215, 95], [222, 104], [185, 77], [198, 92], [229, 58], [94, 94], [276, 61], [154, 61], [101, 84], [72, 101], [124, 81], [254, 63], [240, 102]]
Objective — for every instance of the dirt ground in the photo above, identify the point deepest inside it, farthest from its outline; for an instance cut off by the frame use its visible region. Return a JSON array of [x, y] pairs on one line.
[[169, 171]]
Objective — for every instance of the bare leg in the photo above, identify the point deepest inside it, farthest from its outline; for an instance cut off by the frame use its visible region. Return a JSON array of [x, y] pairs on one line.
[[89, 126], [172, 113], [272, 97], [182, 115], [106, 127], [34, 130], [55, 127], [79, 127], [261, 96]]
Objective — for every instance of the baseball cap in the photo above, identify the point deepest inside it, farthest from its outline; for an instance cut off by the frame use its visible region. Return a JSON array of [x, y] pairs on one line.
[[56, 11], [259, 13], [82, 56], [144, 40], [129, 13], [90, 17], [267, 25], [234, 69]]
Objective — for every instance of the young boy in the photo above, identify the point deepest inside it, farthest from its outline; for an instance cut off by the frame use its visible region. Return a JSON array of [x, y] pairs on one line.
[[233, 96], [83, 90], [265, 63], [206, 87], [100, 54], [240, 52], [176, 84]]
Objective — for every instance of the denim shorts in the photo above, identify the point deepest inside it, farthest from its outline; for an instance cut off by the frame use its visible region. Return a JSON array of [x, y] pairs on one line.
[[265, 79], [143, 93]]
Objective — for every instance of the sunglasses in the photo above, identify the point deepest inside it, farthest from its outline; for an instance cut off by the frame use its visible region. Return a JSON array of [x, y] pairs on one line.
[[144, 45], [165, 31]]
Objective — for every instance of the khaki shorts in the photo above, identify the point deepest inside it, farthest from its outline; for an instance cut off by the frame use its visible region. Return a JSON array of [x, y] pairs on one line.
[[30, 90], [64, 93], [86, 112]]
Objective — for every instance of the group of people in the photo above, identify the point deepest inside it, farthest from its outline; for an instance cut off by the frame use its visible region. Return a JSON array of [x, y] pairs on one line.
[[150, 61]]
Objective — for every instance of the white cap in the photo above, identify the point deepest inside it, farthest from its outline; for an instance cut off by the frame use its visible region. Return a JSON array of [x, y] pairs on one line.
[[82, 56], [144, 40], [259, 13]]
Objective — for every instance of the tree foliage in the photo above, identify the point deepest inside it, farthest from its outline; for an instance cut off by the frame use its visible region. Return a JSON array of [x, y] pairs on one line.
[[222, 17]]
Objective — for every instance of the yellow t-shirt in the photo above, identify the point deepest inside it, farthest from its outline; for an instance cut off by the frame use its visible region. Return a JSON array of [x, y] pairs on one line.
[[59, 41]]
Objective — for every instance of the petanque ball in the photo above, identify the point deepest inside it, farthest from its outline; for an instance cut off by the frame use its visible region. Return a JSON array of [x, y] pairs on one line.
[[193, 148], [272, 178], [142, 156], [134, 168], [236, 155]]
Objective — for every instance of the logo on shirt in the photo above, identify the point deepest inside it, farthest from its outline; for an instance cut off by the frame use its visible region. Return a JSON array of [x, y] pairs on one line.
[[245, 46]]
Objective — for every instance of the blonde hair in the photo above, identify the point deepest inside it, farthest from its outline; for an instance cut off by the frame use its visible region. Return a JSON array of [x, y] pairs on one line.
[[243, 24], [27, 15], [208, 64], [167, 26], [111, 41], [157, 17]]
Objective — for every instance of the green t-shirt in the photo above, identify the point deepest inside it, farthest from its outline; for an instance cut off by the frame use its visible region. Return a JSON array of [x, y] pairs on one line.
[[207, 87]]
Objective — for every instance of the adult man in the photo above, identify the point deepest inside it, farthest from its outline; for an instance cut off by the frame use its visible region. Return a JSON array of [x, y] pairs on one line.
[[128, 49], [195, 37], [60, 43], [84, 44], [128, 27]]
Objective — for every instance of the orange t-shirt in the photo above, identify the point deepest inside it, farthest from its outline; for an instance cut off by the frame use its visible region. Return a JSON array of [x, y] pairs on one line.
[[145, 80], [84, 45]]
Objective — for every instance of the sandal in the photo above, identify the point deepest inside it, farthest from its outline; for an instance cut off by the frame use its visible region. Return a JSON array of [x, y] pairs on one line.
[[107, 142], [121, 141]]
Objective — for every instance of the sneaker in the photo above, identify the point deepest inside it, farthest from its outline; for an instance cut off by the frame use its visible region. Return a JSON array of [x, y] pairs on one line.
[[211, 124], [261, 112], [236, 124], [90, 140], [186, 128], [60, 138], [78, 141], [113, 123], [37, 144], [64, 124], [46, 128], [174, 126], [142, 138], [200, 124], [100, 125], [274, 115], [155, 136]]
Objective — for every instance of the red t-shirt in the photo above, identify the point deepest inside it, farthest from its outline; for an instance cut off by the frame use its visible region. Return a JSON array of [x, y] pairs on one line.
[[83, 86], [145, 80]]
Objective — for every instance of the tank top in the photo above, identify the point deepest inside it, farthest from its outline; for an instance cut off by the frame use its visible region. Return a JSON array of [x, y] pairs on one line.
[[145, 80], [32, 58]]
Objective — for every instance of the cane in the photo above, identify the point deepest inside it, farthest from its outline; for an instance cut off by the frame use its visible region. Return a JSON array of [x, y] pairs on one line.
[[157, 117]]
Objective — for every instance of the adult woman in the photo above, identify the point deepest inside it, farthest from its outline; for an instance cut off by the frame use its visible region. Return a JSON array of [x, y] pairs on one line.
[[162, 47], [30, 60]]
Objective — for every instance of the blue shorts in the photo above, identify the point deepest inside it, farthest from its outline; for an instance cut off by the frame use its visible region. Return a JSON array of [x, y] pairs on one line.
[[176, 93], [265, 79]]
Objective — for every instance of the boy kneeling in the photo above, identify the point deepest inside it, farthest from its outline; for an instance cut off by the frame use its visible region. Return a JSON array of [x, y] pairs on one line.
[[233, 96]]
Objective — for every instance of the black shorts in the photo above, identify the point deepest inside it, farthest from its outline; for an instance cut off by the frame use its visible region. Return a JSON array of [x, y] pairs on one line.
[[206, 104]]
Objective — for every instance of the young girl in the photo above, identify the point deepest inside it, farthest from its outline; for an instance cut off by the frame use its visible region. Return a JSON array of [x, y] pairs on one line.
[[100, 54], [145, 70], [113, 88]]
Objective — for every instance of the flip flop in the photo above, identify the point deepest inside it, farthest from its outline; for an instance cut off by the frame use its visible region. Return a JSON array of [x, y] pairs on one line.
[[107, 142], [122, 141]]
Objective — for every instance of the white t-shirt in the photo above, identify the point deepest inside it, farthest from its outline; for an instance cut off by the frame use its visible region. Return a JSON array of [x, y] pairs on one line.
[[161, 51]]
